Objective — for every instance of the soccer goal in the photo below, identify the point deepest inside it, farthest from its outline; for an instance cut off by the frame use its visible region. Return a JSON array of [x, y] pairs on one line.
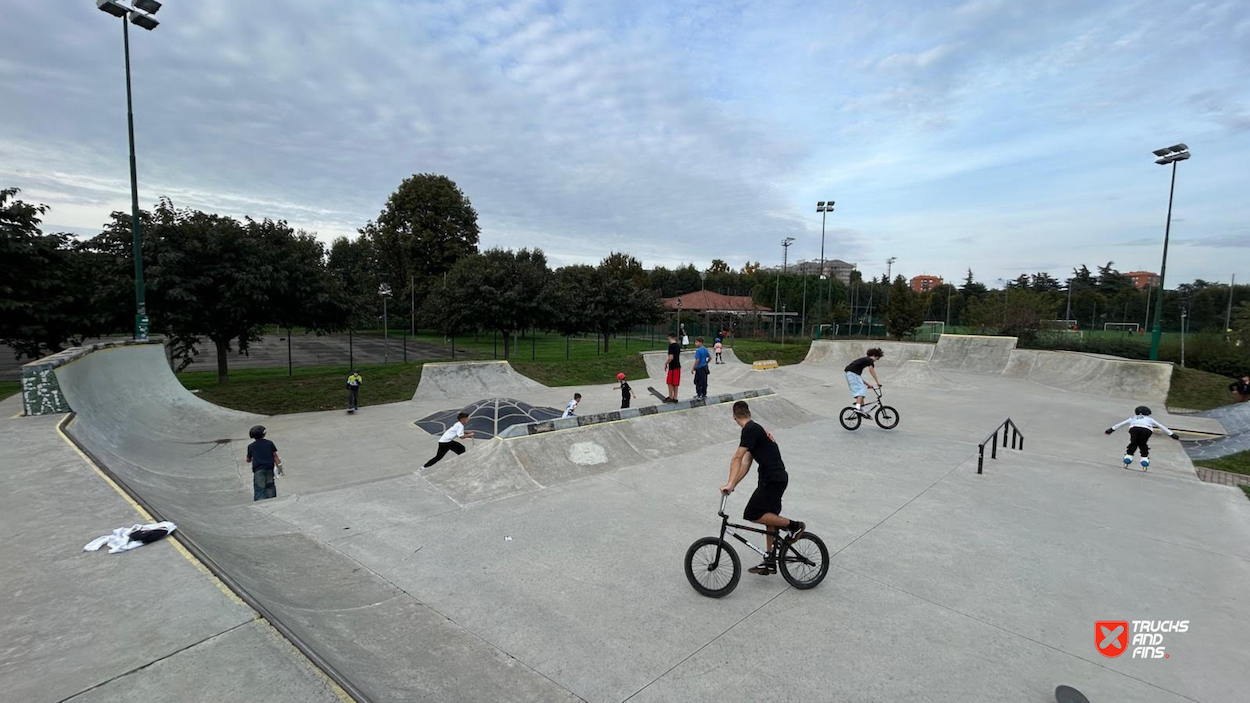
[[931, 330], [1059, 324], [1133, 327]]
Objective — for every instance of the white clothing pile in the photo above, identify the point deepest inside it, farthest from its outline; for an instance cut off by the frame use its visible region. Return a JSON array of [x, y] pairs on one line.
[[120, 540]]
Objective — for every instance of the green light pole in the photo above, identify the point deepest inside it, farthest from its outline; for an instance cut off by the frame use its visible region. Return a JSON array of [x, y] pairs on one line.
[[140, 15], [1168, 155]]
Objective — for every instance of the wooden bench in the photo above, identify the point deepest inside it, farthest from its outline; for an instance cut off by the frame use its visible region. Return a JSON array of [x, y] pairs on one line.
[[764, 364]]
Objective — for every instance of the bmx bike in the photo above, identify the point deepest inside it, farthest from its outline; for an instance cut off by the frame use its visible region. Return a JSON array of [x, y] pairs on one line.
[[886, 416], [713, 567]]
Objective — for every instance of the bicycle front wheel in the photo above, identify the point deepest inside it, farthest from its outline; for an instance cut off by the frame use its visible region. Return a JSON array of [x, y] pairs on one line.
[[713, 575], [886, 417], [850, 419], [805, 563]]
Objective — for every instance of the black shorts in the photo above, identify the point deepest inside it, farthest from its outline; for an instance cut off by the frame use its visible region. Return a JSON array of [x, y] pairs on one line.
[[765, 499]]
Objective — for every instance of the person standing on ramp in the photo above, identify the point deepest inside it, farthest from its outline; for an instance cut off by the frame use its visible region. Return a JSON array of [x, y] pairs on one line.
[[262, 454], [448, 443], [699, 369], [672, 367], [626, 391]]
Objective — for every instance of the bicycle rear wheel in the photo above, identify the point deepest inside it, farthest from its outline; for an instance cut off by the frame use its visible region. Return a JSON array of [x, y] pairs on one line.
[[850, 419], [886, 417], [805, 563], [712, 576]]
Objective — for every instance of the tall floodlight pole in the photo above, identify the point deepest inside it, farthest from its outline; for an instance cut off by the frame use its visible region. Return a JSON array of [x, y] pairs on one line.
[[824, 208], [1228, 311], [141, 14], [1168, 155], [384, 290]]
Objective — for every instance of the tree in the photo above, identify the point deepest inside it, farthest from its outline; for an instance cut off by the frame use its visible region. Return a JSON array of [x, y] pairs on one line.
[[45, 283], [688, 279], [353, 264], [214, 279], [302, 291], [498, 290], [1241, 324], [1024, 311], [1021, 281], [750, 268], [972, 289], [1111, 281], [1081, 277], [619, 302], [905, 311], [1043, 282], [427, 225], [717, 267]]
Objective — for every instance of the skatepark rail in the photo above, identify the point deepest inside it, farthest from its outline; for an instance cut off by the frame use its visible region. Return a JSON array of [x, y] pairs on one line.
[[1016, 435]]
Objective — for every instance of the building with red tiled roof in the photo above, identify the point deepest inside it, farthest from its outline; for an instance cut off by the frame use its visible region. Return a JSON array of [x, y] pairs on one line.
[[706, 301]]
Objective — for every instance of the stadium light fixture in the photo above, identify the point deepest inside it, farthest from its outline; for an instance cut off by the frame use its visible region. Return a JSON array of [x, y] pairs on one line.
[[1168, 155]]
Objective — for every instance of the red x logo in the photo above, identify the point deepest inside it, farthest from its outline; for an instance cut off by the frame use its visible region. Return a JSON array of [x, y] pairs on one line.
[[1111, 637]]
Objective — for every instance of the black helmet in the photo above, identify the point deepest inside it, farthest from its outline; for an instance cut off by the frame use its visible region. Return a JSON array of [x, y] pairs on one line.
[[1141, 410], [258, 431]]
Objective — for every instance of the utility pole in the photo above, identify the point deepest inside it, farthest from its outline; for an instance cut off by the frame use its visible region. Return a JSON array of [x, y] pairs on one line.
[[1228, 311], [824, 208], [1169, 155]]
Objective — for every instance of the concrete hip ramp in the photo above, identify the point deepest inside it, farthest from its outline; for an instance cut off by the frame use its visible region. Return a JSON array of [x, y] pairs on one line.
[[1092, 374], [472, 379], [838, 353]]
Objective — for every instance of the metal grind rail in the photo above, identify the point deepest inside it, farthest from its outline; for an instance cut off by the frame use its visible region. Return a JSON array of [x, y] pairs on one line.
[[1008, 429]]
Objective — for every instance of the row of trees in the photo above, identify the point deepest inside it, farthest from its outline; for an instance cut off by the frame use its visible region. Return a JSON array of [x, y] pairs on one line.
[[222, 279]]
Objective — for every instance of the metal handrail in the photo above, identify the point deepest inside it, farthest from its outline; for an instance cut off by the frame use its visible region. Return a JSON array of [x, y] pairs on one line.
[[1017, 442]]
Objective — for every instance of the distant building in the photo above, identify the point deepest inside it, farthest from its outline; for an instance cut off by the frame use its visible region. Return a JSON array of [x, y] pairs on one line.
[[925, 283], [1143, 279], [834, 268]]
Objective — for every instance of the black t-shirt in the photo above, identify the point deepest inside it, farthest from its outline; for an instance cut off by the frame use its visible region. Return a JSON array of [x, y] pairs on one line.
[[261, 453], [1239, 387], [859, 365], [675, 349], [624, 391], [765, 452]]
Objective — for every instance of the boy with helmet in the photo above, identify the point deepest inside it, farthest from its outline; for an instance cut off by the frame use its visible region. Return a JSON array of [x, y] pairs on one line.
[[1140, 427], [626, 391], [263, 456]]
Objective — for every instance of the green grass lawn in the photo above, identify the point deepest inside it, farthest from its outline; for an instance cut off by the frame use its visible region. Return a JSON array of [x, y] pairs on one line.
[[547, 347], [750, 350], [1197, 390], [1238, 463], [1246, 490], [272, 392], [8, 388]]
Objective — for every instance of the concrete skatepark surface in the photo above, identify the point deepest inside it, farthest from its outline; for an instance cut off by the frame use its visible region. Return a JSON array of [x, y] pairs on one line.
[[549, 567]]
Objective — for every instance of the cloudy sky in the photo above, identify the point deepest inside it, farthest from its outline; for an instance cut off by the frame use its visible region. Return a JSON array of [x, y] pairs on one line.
[[1004, 135]]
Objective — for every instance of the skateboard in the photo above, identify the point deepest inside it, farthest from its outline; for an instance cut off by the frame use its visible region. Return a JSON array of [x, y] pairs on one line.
[[661, 397]]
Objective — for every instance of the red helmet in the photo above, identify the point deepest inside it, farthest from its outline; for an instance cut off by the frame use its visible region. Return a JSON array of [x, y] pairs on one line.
[[620, 377]]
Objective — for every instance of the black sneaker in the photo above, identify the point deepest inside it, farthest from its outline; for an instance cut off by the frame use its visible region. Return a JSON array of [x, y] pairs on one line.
[[796, 529], [766, 568]]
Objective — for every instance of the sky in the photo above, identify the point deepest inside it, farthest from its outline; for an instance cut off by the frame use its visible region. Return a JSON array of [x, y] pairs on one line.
[[999, 135]]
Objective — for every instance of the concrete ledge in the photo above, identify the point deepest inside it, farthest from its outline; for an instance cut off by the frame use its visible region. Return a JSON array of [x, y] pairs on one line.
[[41, 393], [567, 423]]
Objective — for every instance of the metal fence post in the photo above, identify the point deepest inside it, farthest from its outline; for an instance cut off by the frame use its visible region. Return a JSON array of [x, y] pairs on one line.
[[980, 457], [994, 447]]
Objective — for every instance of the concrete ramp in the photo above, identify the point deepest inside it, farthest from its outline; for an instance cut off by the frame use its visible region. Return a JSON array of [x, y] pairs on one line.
[[731, 372], [1092, 374], [917, 374], [472, 379], [970, 353], [838, 353], [131, 389]]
